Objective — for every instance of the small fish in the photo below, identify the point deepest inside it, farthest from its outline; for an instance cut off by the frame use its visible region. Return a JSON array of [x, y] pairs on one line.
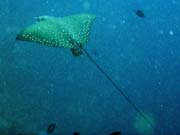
[[116, 133], [140, 13], [76, 133], [51, 128]]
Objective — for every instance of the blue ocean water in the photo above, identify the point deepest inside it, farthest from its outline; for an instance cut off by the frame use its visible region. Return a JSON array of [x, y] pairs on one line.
[[40, 85]]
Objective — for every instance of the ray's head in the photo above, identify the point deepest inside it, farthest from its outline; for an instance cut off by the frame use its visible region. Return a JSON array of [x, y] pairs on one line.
[[24, 36], [46, 32], [29, 33]]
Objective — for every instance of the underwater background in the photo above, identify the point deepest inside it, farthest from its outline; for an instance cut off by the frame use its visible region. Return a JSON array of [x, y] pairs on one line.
[[40, 85]]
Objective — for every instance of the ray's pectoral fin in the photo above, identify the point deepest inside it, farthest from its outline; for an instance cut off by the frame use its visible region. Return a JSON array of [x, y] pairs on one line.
[[76, 51]]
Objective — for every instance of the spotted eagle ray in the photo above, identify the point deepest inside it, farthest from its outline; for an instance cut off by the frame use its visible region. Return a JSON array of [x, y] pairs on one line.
[[69, 32]]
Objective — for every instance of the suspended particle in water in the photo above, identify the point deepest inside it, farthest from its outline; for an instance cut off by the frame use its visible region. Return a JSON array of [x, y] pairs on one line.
[[171, 33]]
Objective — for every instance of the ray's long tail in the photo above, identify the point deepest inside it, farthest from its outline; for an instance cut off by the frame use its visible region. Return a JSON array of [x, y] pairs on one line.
[[119, 90]]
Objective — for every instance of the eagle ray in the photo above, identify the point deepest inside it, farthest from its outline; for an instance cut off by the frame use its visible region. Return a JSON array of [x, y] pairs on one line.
[[69, 32]]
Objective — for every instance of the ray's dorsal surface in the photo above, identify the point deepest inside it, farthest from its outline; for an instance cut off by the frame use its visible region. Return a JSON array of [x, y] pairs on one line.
[[66, 32]]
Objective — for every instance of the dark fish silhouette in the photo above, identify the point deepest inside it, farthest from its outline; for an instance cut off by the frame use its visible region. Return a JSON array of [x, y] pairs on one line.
[[116, 133], [76, 133], [51, 128], [140, 13]]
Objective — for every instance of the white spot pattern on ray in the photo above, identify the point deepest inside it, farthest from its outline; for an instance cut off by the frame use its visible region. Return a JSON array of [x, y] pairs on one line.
[[59, 32]]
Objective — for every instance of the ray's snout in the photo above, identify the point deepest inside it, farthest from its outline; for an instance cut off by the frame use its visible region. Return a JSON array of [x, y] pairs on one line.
[[18, 37]]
